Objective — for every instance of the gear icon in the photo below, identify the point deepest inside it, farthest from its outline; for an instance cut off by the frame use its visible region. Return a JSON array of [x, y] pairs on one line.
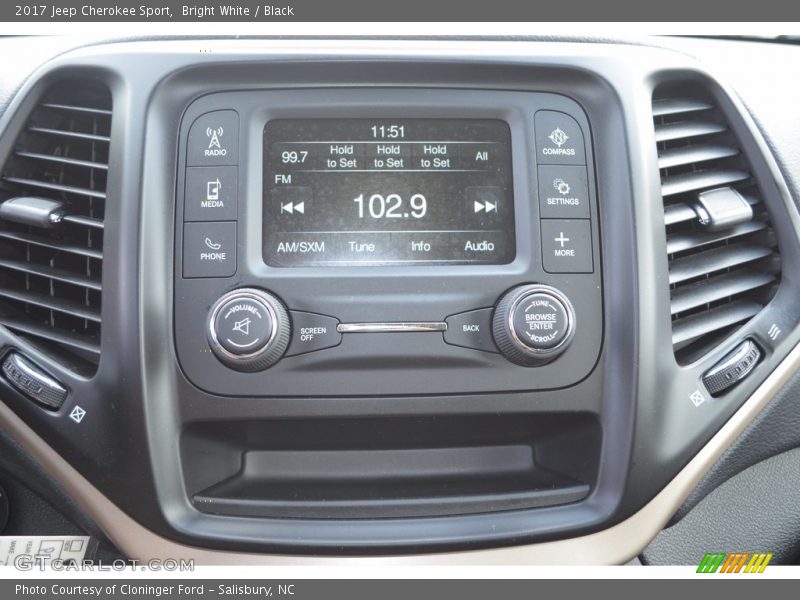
[[561, 186]]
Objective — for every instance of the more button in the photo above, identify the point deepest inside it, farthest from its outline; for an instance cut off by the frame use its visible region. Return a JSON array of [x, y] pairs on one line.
[[567, 246]]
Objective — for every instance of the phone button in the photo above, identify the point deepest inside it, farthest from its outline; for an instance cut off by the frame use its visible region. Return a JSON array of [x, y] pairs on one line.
[[209, 249]]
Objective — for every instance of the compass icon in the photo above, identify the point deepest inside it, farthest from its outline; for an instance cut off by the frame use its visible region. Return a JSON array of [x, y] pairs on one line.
[[558, 137]]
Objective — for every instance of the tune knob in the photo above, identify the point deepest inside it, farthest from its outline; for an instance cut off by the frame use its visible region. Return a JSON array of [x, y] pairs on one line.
[[248, 329], [533, 324]]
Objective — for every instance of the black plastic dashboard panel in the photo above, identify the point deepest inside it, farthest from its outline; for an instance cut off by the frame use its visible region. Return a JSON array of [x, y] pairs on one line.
[[147, 423], [388, 363]]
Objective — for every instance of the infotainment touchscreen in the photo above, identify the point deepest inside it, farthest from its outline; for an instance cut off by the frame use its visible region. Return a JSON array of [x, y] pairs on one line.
[[351, 192]]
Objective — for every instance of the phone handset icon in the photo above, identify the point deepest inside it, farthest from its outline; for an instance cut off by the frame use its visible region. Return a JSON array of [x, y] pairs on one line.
[[212, 245]]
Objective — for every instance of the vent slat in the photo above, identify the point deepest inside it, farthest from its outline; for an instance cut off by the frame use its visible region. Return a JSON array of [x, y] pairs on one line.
[[74, 108], [676, 106], [72, 340], [51, 244], [700, 180], [85, 221], [678, 213], [57, 187], [682, 241], [720, 276], [685, 129], [78, 135], [677, 157], [712, 289], [718, 259], [690, 329], [50, 273], [62, 160], [67, 307]]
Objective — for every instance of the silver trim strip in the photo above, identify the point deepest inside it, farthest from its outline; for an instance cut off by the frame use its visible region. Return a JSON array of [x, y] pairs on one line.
[[616, 545], [406, 327]]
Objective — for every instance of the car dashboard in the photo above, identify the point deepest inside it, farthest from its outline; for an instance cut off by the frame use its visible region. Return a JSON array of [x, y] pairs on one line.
[[289, 301]]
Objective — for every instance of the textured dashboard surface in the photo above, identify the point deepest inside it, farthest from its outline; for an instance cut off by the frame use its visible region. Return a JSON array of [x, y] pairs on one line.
[[754, 511]]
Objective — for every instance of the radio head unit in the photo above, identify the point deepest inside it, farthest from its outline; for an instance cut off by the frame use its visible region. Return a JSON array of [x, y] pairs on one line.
[[386, 242], [387, 192]]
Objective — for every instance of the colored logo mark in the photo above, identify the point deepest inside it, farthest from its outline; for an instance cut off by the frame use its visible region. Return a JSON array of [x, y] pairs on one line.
[[735, 562]]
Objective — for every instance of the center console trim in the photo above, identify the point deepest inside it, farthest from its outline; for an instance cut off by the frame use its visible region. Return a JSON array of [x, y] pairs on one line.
[[390, 327]]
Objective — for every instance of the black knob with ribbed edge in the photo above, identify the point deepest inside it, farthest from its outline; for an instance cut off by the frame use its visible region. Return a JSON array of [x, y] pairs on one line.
[[533, 324], [248, 329]]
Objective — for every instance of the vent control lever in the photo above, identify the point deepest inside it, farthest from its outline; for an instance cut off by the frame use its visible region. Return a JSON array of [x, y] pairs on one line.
[[733, 368], [722, 208], [33, 382]]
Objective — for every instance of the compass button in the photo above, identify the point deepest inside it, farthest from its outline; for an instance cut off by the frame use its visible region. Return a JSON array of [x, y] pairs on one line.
[[559, 139]]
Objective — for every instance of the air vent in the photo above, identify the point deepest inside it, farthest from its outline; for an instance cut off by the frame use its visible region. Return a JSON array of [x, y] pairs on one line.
[[724, 264], [53, 195]]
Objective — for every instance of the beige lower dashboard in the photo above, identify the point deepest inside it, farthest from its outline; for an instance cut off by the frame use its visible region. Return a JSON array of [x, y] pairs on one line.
[[615, 545]]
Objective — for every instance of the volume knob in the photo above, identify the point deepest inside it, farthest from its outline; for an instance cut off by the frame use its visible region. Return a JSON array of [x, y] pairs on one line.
[[248, 329], [533, 324]]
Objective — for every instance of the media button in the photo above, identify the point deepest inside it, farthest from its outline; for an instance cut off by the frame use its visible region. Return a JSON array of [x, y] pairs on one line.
[[211, 194], [214, 139], [209, 249], [312, 332], [559, 139], [563, 192]]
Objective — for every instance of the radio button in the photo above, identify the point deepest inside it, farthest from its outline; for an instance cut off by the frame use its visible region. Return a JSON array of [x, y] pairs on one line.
[[559, 139], [214, 139], [563, 192], [312, 332], [211, 194], [471, 329]]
